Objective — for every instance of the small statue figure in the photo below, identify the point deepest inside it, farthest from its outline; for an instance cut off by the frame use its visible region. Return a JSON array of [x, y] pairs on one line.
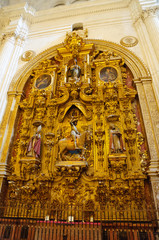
[[74, 132], [75, 71], [75, 141], [116, 142], [34, 146]]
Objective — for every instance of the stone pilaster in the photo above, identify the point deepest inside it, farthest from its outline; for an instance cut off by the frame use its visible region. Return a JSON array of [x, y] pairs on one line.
[[155, 189], [6, 50], [151, 21], [148, 104], [11, 69], [151, 122], [12, 43], [149, 54]]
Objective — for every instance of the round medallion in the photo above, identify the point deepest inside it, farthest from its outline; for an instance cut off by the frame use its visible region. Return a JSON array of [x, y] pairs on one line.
[[129, 41], [43, 81], [28, 55], [108, 74]]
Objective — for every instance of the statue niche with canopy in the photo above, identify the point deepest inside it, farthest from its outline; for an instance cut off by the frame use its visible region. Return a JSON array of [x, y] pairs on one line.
[[72, 145]]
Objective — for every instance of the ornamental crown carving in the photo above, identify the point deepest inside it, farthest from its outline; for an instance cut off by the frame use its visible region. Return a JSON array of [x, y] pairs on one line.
[[150, 12], [74, 43]]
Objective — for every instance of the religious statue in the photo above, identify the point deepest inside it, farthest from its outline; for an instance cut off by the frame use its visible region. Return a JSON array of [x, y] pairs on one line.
[[116, 144], [75, 141], [75, 71], [74, 132], [34, 146]]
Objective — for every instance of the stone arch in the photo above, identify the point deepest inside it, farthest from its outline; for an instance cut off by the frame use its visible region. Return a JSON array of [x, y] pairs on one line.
[[137, 67], [135, 64]]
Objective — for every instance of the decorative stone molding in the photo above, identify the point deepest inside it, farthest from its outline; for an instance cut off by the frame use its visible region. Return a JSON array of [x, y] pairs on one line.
[[150, 12], [4, 20], [67, 10], [4, 170], [28, 55], [155, 186], [28, 13], [14, 37], [6, 36], [47, 4], [150, 114], [135, 10], [129, 41]]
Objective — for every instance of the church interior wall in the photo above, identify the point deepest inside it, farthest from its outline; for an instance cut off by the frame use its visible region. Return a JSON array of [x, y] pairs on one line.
[[47, 28], [44, 34]]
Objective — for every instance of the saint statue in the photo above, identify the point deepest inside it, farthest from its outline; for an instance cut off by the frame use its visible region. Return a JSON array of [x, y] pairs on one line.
[[116, 142], [74, 132], [75, 71], [34, 146], [74, 141]]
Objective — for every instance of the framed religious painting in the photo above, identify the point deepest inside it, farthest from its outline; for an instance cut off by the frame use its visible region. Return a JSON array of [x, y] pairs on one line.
[[43, 81], [108, 74]]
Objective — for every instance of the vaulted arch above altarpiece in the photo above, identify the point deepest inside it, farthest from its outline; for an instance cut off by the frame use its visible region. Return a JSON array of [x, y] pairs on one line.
[[79, 135]]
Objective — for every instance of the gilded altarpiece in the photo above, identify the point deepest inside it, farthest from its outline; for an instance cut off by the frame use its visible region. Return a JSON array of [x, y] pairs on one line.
[[79, 137]]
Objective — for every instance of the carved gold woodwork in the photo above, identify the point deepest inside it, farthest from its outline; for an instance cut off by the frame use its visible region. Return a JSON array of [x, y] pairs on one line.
[[90, 152]]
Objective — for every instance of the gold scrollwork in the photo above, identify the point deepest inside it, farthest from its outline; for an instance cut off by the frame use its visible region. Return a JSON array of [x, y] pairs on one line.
[[88, 149]]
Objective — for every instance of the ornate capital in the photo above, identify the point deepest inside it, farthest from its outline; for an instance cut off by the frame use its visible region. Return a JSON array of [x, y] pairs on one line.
[[7, 36], [146, 80], [14, 37], [150, 12]]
